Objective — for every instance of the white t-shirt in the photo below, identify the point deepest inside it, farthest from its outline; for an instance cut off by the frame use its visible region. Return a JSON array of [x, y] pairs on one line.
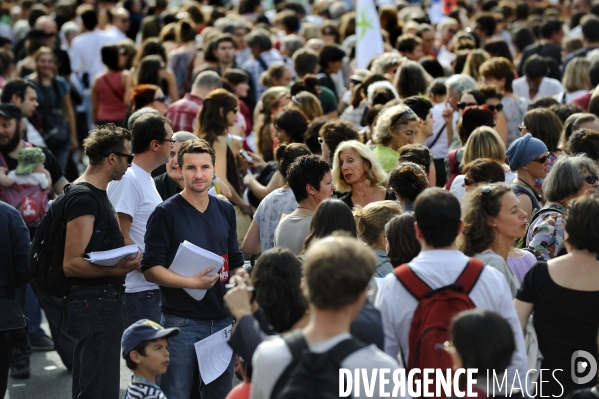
[[548, 87], [86, 52], [440, 149], [31, 178], [33, 136], [272, 357], [269, 213], [135, 195]]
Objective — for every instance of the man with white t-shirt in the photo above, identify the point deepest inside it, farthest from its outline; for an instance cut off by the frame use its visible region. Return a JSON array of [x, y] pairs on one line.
[[134, 198], [439, 264], [333, 307]]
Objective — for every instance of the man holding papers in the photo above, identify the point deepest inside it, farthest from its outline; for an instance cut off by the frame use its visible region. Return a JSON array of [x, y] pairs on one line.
[[135, 197], [208, 223], [94, 306]]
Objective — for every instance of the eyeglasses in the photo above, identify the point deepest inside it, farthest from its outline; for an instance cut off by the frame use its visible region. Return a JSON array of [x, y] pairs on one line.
[[161, 99], [493, 108], [592, 179], [120, 154], [321, 140], [171, 140], [542, 159], [485, 197], [462, 105], [405, 114]]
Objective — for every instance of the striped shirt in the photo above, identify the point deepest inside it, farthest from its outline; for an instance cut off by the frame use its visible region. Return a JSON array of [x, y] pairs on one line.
[[139, 390]]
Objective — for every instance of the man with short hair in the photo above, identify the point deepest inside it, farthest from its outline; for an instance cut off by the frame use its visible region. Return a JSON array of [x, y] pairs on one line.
[[222, 56], [183, 113], [263, 55], [171, 182], [208, 222], [134, 198], [333, 307], [94, 304], [535, 83], [423, 109], [439, 264], [484, 27], [549, 47], [21, 93], [119, 23]]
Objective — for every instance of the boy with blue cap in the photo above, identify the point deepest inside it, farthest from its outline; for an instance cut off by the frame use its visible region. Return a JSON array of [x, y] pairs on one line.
[[145, 351]]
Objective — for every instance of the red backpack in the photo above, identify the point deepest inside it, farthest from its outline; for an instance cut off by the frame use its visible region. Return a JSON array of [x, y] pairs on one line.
[[29, 199], [430, 324]]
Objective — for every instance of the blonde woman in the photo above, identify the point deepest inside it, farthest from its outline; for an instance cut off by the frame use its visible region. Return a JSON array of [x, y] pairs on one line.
[[277, 74], [484, 142], [395, 128], [308, 104], [358, 173], [474, 60], [272, 101], [576, 80]]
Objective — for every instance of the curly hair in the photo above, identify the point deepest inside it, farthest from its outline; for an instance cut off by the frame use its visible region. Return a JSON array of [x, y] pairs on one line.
[[476, 236], [585, 141], [307, 169], [401, 236], [399, 115], [276, 279], [103, 140], [331, 215]]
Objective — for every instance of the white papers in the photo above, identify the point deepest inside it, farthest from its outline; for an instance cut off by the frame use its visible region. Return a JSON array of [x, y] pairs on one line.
[[111, 257], [214, 354], [190, 260]]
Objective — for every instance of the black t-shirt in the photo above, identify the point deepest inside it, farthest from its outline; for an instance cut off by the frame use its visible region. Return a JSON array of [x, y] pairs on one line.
[[389, 196], [51, 164], [565, 320], [88, 204], [166, 186]]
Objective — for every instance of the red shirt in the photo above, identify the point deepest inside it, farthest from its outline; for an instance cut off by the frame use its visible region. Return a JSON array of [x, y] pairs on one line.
[[183, 113]]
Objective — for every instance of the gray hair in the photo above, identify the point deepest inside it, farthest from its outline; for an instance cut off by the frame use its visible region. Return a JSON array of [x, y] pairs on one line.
[[460, 83], [293, 43], [182, 136], [139, 113], [337, 9], [70, 28], [566, 177], [386, 61], [382, 129], [208, 80]]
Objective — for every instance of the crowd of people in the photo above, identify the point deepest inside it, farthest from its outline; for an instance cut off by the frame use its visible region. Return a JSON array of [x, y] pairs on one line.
[[341, 195]]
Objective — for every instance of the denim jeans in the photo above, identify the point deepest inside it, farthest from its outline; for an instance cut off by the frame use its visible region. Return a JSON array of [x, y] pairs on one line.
[[33, 312], [178, 380], [142, 305], [95, 321]]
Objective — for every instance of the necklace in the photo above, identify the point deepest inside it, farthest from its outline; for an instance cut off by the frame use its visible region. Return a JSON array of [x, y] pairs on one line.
[[538, 196]]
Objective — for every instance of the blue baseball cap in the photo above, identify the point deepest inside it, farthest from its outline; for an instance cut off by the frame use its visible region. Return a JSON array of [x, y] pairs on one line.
[[144, 330]]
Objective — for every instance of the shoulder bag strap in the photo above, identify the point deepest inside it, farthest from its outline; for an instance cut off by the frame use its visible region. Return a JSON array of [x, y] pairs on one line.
[[345, 348], [431, 145], [411, 282], [111, 88], [262, 62], [470, 275]]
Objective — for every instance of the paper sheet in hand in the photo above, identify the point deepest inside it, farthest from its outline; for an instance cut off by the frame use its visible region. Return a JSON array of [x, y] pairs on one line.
[[111, 257], [214, 355], [190, 260]]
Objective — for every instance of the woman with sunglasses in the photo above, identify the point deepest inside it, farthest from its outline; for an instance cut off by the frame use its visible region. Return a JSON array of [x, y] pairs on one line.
[[560, 293], [570, 178], [493, 103], [147, 96], [217, 115], [528, 157], [395, 128]]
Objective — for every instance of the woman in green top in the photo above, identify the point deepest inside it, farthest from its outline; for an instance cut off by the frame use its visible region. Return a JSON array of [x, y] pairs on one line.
[[395, 128]]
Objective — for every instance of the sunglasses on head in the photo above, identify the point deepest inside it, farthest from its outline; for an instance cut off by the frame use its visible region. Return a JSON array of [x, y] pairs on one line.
[[592, 179], [462, 105], [161, 99], [542, 159], [405, 114], [493, 108]]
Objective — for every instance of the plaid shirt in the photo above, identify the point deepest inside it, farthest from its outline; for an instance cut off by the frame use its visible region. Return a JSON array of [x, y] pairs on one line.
[[254, 68], [183, 113]]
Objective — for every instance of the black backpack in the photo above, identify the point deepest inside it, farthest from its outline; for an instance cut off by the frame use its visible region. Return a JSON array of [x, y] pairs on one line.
[[46, 254], [312, 375]]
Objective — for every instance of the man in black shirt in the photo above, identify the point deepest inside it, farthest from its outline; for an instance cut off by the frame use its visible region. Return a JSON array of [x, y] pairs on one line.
[[171, 182], [549, 47], [94, 305]]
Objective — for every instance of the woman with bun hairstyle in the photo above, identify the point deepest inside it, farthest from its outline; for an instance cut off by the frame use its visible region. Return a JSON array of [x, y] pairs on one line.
[[407, 181], [277, 74], [327, 99], [529, 157], [370, 223], [281, 201], [184, 59], [308, 104]]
